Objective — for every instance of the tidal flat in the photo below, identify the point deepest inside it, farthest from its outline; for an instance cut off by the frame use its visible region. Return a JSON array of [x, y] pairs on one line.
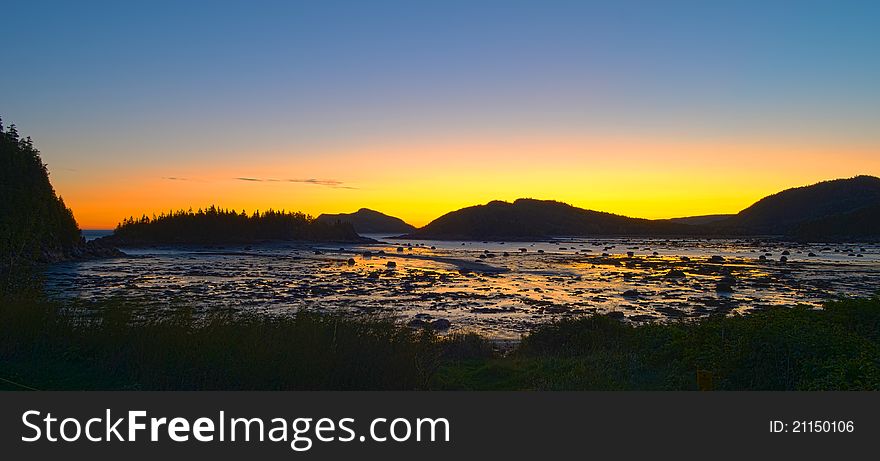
[[500, 290]]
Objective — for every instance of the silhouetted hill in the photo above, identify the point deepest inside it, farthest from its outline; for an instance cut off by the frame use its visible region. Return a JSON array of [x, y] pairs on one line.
[[529, 219], [830, 210], [701, 220], [220, 226], [859, 225], [785, 212], [35, 225], [366, 221]]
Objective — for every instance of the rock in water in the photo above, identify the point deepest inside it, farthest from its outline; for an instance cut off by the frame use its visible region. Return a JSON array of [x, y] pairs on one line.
[[724, 287]]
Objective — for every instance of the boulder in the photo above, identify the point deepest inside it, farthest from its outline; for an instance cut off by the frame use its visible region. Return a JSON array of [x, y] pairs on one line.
[[723, 287]]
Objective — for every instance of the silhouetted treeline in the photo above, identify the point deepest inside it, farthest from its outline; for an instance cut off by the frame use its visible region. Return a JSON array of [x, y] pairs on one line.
[[35, 224], [218, 225]]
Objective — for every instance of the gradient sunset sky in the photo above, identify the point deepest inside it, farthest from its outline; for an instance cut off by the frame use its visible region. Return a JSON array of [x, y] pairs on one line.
[[644, 108]]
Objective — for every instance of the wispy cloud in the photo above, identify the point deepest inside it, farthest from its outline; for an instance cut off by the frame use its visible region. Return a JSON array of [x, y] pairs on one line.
[[323, 182], [317, 182], [174, 178]]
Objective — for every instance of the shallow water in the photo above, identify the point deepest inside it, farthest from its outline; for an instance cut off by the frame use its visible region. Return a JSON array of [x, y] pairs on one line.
[[92, 234], [501, 296]]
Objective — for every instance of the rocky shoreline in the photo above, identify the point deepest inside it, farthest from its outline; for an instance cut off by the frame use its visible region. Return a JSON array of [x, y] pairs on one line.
[[85, 251]]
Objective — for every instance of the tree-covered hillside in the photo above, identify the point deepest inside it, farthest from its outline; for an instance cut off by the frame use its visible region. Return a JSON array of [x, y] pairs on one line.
[[35, 224], [830, 202]]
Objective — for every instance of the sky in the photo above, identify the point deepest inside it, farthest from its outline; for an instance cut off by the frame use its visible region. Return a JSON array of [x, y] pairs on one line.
[[642, 108]]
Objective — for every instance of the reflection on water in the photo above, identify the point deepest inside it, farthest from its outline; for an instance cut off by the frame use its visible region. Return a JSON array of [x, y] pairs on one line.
[[500, 289]]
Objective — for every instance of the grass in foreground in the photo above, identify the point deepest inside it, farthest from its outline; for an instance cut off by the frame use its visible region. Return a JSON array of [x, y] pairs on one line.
[[45, 345], [835, 348], [48, 345]]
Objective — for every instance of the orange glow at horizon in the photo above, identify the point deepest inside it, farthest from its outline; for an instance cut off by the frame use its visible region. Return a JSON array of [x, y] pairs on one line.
[[419, 182]]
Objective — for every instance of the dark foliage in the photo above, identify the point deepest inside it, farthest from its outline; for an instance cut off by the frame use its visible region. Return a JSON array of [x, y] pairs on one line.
[[799, 348], [114, 345], [35, 225], [785, 212], [859, 225], [216, 225]]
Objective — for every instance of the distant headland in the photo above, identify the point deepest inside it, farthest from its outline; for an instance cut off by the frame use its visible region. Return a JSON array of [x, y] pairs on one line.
[[836, 210], [840, 209], [366, 221]]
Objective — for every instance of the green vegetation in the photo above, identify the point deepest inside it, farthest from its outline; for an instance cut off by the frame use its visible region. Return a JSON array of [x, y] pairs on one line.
[[52, 345], [216, 225], [47, 345], [798, 348], [35, 225]]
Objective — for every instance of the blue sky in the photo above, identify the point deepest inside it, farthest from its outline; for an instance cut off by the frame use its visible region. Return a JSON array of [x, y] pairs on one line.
[[137, 84]]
